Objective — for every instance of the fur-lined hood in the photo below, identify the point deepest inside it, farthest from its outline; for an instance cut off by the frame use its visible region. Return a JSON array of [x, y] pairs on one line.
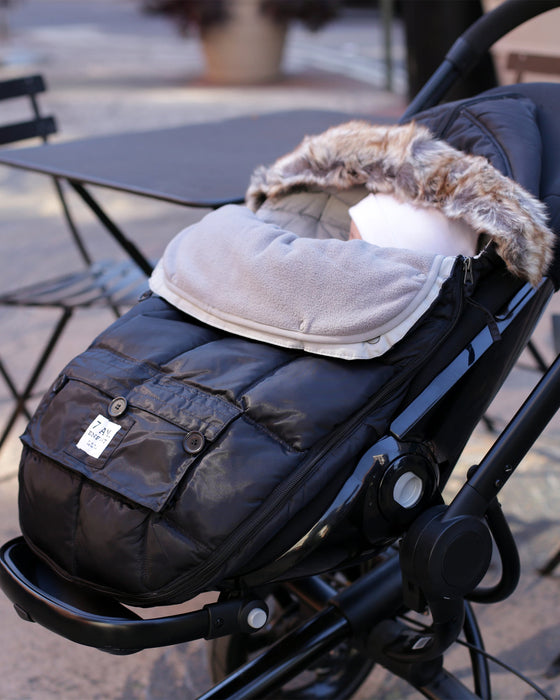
[[410, 163]]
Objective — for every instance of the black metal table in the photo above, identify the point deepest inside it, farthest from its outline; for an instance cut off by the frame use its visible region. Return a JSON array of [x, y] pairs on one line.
[[197, 165], [203, 165]]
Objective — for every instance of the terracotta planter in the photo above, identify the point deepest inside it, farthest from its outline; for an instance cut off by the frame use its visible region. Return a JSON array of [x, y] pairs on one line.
[[245, 49]]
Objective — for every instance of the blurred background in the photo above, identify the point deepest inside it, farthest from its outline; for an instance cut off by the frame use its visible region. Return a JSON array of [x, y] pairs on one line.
[[116, 66]]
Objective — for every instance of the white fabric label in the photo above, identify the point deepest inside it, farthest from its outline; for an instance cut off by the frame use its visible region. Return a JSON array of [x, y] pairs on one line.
[[98, 435]]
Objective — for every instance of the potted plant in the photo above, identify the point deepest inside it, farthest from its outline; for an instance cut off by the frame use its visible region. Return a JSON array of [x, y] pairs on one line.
[[243, 40]]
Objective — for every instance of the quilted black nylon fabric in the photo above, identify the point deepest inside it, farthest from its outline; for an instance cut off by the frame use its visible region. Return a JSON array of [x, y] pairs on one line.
[[516, 128], [281, 430], [225, 444]]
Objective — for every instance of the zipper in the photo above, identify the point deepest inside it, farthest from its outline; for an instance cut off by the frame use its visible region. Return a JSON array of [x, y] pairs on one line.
[[468, 281], [468, 277], [205, 571]]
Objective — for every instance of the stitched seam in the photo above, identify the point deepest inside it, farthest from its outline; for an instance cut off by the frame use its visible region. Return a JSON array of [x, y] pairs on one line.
[[255, 383], [175, 525], [144, 554], [271, 434], [476, 122], [76, 519], [462, 107], [156, 370]]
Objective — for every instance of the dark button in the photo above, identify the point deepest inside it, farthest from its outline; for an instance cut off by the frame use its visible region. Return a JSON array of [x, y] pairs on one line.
[[145, 295], [193, 442], [59, 383], [117, 406]]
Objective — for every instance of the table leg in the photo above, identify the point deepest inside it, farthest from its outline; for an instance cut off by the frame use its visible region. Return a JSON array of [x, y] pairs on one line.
[[113, 229]]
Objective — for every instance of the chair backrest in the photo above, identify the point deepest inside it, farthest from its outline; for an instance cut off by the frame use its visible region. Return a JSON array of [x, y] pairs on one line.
[[38, 126]]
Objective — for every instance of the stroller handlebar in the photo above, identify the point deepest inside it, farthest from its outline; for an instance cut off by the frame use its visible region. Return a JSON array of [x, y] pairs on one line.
[[492, 26], [469, 48]]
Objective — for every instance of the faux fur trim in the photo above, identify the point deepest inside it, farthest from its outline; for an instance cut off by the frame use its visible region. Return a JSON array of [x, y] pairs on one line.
[[410, 163]]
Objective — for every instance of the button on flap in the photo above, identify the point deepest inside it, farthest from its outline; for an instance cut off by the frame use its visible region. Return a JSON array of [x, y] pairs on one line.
[[142, 454], [194, 442], [117, 406]]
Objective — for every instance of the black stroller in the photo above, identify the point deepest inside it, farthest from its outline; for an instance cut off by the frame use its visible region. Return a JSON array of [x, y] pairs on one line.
[[346, 549]]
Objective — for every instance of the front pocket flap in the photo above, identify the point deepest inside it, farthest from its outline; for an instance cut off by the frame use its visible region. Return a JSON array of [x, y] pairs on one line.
[[147, 388], [146, 451]]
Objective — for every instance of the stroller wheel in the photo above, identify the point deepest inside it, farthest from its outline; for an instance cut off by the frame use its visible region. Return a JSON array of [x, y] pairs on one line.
[[335, 676]]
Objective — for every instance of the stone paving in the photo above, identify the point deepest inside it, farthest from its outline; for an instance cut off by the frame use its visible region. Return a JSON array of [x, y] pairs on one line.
[[109, 69]]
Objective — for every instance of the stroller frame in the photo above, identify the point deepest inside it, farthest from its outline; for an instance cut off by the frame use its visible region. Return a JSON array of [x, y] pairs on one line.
[[365, 614], [42, 596]]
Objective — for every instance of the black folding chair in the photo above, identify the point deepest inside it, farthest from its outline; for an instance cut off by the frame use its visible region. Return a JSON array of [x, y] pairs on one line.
[[113, 284]]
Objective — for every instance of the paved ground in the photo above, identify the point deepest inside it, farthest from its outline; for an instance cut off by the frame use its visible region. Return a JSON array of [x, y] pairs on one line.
[[109, 68]]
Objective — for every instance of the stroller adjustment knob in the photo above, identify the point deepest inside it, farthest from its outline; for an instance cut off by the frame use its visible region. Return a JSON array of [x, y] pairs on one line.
[[446, 558], [257, 618]]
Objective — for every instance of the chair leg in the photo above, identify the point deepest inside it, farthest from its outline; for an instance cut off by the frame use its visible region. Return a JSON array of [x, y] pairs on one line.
[[72, 226], [541, 366], [12, 387], [539, 360], [86, 257], [550, 565], [21, 398]]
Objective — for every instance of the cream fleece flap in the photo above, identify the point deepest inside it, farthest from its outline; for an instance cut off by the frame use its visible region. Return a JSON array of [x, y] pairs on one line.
[[343, 299]]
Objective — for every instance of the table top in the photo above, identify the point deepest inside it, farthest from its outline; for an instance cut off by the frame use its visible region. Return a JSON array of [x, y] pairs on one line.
[[203, 165]]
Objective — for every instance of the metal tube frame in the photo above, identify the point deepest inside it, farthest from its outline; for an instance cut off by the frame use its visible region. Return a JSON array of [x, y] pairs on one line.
[[350, 615]]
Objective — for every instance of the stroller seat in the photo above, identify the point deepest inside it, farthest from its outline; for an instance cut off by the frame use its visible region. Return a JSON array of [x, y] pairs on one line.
[[194, 446], [211, 453]]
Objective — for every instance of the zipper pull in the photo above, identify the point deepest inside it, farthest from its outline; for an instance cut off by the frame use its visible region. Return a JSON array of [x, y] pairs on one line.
[[468, 281], [468, 277]]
